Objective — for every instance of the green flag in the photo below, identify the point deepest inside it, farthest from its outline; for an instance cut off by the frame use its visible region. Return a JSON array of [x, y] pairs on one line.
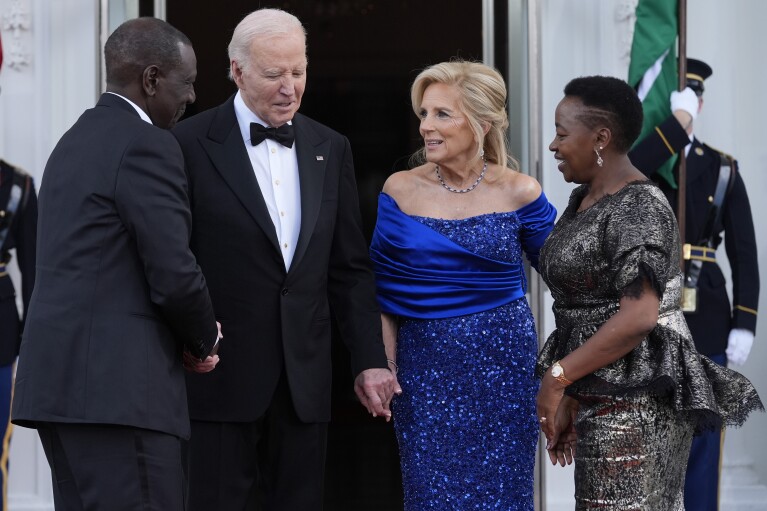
[[653, 70]]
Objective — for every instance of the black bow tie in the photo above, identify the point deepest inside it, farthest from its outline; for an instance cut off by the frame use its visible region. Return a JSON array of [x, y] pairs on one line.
[[283, 134]]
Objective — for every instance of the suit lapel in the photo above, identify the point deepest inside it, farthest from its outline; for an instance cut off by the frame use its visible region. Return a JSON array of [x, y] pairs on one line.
[[312, 154], [227, 151]]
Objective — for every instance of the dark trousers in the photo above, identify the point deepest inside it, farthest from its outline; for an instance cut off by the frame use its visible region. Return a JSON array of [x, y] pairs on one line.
[[276, 463], [701, 485], [115, 468], [6, 428]]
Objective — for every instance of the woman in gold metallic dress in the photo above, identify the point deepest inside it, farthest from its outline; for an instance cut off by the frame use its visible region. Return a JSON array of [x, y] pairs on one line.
[[621, 376]]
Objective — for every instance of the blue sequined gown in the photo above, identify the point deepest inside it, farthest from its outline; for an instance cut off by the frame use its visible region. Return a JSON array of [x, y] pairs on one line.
[[465, 423]]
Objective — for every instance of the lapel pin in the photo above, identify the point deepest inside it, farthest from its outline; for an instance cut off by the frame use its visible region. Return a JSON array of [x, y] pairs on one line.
[[699, 151], [320, 158]]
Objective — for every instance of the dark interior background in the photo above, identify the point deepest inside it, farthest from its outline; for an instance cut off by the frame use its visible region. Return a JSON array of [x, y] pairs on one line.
[[363, 56]]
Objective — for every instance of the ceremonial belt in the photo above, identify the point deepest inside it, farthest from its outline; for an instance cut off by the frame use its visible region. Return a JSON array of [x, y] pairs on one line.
[[705, 252], [698, 253]]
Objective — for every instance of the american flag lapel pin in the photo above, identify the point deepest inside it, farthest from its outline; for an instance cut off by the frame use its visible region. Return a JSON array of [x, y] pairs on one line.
[[320, 157]]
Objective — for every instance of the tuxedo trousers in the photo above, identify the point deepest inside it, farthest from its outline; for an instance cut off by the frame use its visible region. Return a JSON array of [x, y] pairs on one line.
[[97, 467], [276, 463]]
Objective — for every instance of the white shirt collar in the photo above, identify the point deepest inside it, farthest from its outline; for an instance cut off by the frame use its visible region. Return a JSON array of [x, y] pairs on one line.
[[688, 146], [138, 109]]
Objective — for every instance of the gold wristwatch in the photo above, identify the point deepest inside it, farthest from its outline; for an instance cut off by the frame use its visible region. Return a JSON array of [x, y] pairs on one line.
[[558, 372]]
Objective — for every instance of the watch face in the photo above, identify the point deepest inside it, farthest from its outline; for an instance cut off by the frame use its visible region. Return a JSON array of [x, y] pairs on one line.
[[556, 371]]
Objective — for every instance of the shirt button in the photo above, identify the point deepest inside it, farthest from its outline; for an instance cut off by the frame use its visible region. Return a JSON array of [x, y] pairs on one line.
[[282, 213], [277, 182], [285, 291], [285, 245], [274, 150]]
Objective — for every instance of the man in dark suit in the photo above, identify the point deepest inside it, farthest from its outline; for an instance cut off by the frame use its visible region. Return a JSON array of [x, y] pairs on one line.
[[18, 230], [277, 232], [721, 331], [119, 299]]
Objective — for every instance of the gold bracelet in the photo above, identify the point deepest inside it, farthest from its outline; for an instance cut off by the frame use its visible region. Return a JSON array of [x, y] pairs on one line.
[[558, 372]]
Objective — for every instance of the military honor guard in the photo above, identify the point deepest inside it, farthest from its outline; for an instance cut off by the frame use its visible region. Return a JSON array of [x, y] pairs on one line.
[[716, 209], [18, 230]]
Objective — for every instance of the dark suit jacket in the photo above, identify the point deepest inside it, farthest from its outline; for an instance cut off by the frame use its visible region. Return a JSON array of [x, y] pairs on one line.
[[118, 293], [22, 231], [711, 323], [272, 318]]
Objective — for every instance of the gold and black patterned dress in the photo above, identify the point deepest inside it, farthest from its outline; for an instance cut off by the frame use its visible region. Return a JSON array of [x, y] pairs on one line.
[[638, 414]]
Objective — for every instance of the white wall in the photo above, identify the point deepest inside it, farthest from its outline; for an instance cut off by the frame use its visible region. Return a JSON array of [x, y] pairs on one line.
[[589, 37]]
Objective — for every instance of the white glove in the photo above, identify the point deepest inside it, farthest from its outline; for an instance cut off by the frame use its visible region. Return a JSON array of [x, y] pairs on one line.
[[685, 100], [739, 345]]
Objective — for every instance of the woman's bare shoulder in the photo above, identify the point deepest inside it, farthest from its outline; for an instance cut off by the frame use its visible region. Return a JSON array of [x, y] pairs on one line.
[[521, 188], [401, 185]]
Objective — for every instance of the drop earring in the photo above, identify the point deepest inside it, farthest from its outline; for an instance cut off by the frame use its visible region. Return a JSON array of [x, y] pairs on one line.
[[600, 161]]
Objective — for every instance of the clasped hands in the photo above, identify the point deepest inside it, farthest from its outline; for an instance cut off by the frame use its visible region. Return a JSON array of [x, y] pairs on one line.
[[195, 365], [556, 417], [375, 389]]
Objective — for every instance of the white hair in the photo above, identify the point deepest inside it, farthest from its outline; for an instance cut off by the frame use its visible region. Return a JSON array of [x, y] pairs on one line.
[[263, 22]]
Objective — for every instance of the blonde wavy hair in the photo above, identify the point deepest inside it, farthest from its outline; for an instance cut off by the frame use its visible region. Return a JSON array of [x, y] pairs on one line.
[[483, 100]]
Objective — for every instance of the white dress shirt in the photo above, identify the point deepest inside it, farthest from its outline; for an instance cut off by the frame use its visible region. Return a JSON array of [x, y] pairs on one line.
[[689, 146], [276, 169]]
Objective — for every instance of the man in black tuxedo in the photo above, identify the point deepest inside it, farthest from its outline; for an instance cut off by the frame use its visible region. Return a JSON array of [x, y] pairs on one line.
[[277, 232], [119, 299]]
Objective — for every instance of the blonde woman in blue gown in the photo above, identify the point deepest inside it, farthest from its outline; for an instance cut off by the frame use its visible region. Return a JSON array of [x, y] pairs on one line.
[[448, 254]]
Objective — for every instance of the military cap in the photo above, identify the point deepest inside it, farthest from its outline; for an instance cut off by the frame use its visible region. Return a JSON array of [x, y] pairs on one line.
[[697, 72]]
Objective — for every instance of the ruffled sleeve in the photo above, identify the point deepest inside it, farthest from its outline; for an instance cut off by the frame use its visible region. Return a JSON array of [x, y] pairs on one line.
[[638, 240]]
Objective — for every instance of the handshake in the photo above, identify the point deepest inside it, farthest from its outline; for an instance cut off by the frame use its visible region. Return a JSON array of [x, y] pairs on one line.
[[206, 365]]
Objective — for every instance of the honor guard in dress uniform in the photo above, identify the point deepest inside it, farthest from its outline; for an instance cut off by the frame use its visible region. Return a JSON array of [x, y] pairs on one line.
[[717, 207], [18, 229]]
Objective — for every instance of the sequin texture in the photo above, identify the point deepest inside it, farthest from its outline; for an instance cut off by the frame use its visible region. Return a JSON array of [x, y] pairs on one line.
[[466, 422]]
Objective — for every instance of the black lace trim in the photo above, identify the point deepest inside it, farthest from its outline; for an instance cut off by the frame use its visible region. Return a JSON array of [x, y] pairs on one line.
[[646, 274]]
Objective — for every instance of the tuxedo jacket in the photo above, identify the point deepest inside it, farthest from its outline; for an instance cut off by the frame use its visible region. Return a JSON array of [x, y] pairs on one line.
[[21, 234], [118, 293], [275, 319], [711, 323]]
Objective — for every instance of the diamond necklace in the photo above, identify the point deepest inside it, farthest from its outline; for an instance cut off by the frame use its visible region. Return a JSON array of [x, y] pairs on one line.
[[464, 190]]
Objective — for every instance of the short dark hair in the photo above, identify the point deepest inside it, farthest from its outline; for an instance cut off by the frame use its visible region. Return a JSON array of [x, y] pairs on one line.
[[610, 102], [138, 43]]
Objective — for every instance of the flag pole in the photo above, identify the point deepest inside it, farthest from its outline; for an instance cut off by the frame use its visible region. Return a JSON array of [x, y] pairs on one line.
[[682, 174]]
